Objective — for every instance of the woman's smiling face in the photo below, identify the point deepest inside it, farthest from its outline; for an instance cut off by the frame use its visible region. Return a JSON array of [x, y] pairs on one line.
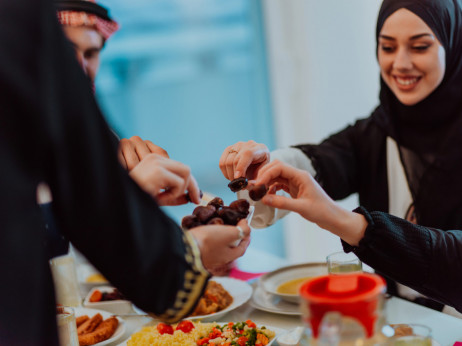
[[412, 60]]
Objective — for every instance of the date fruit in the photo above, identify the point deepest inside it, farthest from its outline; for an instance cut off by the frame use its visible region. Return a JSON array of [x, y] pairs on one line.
[[229, 216], [242, 206], [204, 214], [190, 221], [257, 192], [238, 184], [217, 202]]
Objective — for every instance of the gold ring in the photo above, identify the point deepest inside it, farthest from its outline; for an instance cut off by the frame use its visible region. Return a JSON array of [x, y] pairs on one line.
[[232, 150]]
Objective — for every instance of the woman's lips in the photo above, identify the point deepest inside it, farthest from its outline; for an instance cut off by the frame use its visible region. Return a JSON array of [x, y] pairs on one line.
[[406, 83]]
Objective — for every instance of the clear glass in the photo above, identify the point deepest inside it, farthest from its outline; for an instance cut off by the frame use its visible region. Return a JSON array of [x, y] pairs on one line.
[[65, 281], [67, 329], [410, 335], [341, 263]]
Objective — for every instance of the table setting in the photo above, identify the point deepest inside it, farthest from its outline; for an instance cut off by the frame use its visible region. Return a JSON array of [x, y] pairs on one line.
[[265, 302]]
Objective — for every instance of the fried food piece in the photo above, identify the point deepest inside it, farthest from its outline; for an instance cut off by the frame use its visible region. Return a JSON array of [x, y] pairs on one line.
[[215, 299], [103, 332], [90, 325], [81, 319]]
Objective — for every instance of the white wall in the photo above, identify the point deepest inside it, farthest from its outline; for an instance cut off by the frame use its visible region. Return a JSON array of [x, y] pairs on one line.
[[324, 75]]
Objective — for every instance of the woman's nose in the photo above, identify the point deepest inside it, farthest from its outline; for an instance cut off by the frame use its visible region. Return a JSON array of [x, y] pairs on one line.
[[403, 60]]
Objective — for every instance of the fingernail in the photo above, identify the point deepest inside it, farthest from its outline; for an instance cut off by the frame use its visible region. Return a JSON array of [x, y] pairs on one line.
[[237, 174]]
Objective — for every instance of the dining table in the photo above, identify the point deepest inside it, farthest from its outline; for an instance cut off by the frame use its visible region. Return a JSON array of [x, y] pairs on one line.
[[446, 329]]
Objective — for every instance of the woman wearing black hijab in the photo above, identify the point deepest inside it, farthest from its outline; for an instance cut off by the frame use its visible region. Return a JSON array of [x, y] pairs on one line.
[[406, 158]]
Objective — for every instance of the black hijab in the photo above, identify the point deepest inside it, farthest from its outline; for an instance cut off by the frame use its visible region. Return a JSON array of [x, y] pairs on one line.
[[431, 129]]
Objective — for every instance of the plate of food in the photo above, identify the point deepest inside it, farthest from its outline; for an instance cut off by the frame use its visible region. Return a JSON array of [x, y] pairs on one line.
[[265, 301], [221, 296], [189, 333], [285, 282], [107, 298], [98, 327]]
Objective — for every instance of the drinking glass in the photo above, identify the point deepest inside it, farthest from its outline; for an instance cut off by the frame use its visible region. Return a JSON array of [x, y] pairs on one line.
[[342, 263], [65, 281], [411, 335], [67, 329]]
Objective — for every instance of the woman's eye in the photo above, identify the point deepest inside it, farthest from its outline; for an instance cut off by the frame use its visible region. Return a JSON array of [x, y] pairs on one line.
[[387, 49], [421, 48]]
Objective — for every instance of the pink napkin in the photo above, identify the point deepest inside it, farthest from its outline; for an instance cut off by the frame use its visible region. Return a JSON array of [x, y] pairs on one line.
[[236, 273]]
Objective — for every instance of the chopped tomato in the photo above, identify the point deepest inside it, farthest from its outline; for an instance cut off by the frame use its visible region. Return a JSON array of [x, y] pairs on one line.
[[230, 324], [215, 333], [226, 344], [242, 340], [163, 328], [96, 296], [185, 326], [203, 341], [251, 324]]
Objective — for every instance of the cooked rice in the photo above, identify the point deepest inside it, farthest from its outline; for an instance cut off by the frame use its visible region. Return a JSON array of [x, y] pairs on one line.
[[149, 336]]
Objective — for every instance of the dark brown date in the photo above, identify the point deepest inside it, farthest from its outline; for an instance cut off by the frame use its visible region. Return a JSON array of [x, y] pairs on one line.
[[238, 184], [242, 206], [190, 221], [257, 192], [217, 202], [229, 216], [204, 214], [216, 221]]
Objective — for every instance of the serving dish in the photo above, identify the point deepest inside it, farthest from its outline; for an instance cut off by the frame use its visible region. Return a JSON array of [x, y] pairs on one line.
[[265, 301], [278, 331], [91, 312], [240, 290], [270, 282], [119, 306]]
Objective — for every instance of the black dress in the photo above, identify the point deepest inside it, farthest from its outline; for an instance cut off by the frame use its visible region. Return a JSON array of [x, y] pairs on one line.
[[52, 131]]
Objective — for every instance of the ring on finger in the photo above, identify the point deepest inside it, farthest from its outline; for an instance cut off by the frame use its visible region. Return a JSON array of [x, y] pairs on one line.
[[232, 150]]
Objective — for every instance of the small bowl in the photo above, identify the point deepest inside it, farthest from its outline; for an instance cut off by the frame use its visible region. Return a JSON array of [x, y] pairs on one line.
[[119, 306], [270, 282]]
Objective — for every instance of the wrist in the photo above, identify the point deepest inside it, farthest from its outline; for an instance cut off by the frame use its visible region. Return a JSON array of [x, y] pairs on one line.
[[348, 225]]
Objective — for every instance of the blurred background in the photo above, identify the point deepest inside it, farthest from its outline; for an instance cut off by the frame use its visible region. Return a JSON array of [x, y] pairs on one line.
[[194, 76]]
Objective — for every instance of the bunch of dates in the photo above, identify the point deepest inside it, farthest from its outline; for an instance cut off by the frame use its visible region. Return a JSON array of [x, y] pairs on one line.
[[216, 213]]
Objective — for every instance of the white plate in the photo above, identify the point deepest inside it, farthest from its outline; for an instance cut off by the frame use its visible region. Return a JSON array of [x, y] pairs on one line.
[[91, 312], [118, 306], [240, 290], [278, 331], [272, 280], [265, 301]]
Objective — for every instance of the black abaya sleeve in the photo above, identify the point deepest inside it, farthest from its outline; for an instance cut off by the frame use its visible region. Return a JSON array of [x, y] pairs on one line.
[[51, 130]]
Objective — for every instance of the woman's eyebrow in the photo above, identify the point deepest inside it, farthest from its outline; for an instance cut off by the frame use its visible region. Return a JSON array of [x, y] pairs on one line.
[[415, 37]]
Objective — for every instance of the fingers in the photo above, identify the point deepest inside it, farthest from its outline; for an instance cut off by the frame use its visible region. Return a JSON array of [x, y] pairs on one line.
[[226, 162], [236, 160], [193, 191], [132, 151], [127, 154], [281, 202], [155, 149], [165, 179]]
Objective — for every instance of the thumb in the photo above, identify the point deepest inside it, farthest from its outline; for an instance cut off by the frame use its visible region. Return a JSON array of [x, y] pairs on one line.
[[280, 202]]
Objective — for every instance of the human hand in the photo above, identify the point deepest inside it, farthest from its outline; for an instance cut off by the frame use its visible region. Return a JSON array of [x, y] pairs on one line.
[[133, 150], [166, 180], [216, 243], [309, 200], [243, 159]]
